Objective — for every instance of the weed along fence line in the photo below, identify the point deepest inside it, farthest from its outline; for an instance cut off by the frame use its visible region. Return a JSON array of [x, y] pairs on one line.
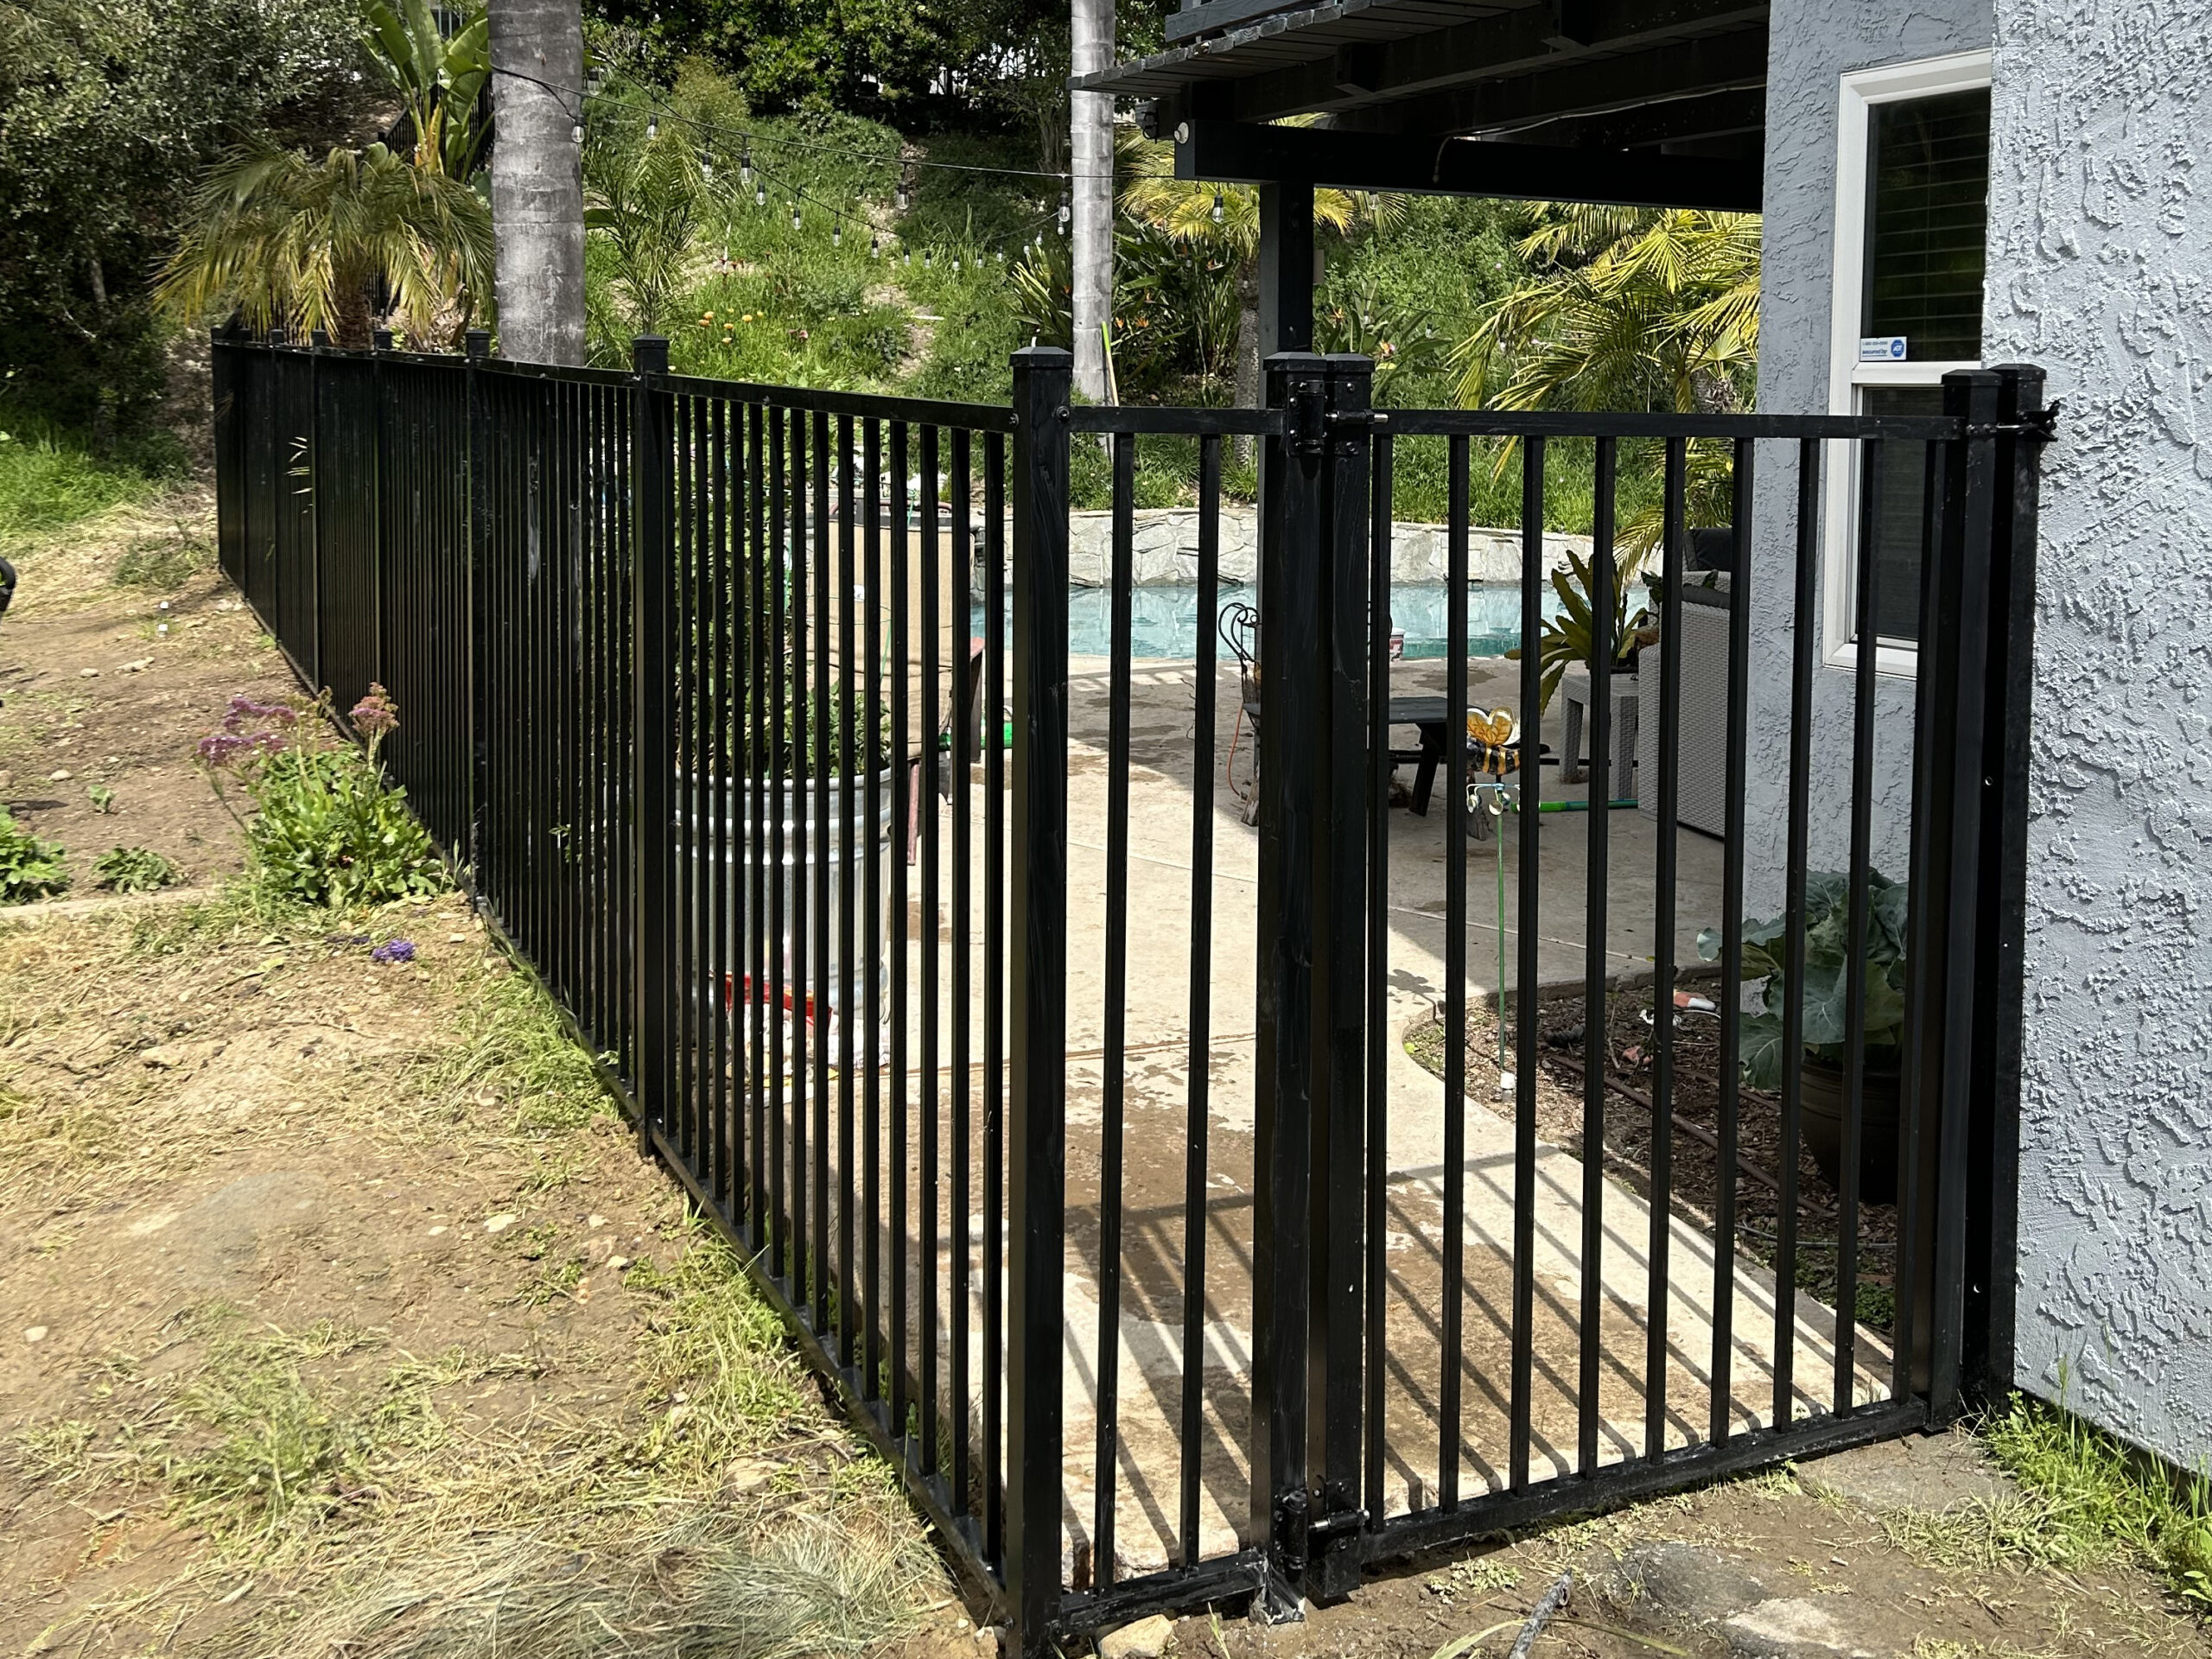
[[1079, 1127]]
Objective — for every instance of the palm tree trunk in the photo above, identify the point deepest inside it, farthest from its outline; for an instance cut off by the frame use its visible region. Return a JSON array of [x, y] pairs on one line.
[[537, 192], [1248, 345], [1091, 160]]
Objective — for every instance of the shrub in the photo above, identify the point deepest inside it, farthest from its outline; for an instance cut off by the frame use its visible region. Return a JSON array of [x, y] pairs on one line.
[[29, 868], [329, 829], [135, 869]]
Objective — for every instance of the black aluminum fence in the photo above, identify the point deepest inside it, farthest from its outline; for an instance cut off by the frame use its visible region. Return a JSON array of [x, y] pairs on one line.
[[1072, 1124]]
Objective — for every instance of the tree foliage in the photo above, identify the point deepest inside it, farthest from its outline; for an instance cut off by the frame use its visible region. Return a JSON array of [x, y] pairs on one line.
[[312, 244], [108, 109], [438, 77], [1627, 308]]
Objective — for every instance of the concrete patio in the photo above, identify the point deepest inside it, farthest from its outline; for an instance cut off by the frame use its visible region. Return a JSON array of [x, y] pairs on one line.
[[1156, 1072]]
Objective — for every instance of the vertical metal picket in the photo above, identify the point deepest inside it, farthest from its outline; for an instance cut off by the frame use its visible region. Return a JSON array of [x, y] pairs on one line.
[[652, 790], [1037, 1116]]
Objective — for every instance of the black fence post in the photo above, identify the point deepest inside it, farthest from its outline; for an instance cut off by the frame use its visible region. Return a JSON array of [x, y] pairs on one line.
[[229, 438], [1294, 707], [1994, 1113], [652, 566], [1948, 818], [480, 544], [1037, 979], [1338, 1128], [379, 536]]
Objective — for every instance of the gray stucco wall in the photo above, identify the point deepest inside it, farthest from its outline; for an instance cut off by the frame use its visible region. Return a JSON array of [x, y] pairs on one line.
[[2101, 269], [1812, 44]]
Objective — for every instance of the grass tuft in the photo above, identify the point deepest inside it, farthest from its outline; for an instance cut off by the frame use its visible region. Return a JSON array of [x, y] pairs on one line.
[[2099, 1496]]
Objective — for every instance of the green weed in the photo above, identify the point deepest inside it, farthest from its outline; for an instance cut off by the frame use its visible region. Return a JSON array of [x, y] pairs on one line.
[[2098, 1494], [29, 868], [135, 869]]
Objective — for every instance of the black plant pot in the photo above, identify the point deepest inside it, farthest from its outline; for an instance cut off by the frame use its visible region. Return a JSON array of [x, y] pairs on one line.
[[1821, 1110]]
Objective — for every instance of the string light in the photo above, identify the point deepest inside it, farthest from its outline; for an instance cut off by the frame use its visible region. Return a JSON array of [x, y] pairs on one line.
[[577, 130], [745, 164], [652, 128], [837, 232], [899, 197], [706, 162], [760, 195], [1217, 215], [875, 246]]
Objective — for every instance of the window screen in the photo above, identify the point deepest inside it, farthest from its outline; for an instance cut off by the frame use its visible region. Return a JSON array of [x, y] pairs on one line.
[[1927, 223], [1896, 517]]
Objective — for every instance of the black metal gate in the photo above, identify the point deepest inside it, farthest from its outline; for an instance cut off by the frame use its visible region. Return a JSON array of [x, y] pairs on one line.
[[1072, 1126]]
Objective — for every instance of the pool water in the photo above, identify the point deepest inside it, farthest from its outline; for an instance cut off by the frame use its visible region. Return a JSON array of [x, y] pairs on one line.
[[1164, 621]]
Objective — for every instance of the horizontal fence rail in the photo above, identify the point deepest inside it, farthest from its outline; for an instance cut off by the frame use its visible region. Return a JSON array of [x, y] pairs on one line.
[[1226, 1082]]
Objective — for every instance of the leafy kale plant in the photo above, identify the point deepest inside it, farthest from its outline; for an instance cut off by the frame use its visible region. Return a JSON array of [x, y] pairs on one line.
[[1828, 939]]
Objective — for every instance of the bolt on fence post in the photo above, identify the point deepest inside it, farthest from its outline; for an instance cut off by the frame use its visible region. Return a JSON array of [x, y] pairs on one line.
[[652, 571], [1037, 982], [479, 538]]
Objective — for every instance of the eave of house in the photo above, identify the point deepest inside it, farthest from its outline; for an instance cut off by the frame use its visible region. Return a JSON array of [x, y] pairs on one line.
[[1674, 83]]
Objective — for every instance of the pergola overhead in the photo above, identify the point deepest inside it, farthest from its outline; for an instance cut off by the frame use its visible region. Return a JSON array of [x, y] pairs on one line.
[[1638, 103]]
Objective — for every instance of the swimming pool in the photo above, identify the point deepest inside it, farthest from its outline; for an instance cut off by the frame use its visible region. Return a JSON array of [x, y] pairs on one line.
[[1164, 621]]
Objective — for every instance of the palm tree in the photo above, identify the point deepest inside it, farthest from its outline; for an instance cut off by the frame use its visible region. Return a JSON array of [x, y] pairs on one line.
[[644, 196], [318, 245], [439, 78], [1223, 220], [537, 190], [1631, 308]]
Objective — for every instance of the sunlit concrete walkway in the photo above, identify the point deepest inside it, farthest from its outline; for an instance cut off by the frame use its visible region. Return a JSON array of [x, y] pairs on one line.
[[1155, 1074]]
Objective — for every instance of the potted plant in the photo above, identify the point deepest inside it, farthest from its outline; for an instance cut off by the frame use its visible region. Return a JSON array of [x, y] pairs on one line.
[[848, 737], [1827, 991]]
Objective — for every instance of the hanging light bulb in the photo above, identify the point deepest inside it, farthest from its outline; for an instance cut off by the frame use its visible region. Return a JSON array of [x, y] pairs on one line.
[[1065, 210], [1217, 215], [910, 256], [875, 246], [577, 130], [794, 212], [652, 128], [956, 264], [899, 197], [760, 195], [837, 232], [745, 164], [705, 162], [1001, 256], [927, 253]]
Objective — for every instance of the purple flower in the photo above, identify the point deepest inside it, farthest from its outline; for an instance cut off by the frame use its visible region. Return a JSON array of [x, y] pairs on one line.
[[393, 951], [374, 715]]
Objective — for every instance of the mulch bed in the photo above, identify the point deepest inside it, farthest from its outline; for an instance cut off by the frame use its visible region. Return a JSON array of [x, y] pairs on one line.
[[1695, 1183]]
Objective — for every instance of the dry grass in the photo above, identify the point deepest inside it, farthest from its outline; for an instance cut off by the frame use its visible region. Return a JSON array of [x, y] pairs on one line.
[[686, 1493]]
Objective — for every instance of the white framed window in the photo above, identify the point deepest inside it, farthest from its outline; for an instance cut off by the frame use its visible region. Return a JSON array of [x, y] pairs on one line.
[[1911, 235]]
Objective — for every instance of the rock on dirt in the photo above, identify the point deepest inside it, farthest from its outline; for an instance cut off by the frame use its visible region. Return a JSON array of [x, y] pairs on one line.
[[1694, 1587], [1148, 1638]]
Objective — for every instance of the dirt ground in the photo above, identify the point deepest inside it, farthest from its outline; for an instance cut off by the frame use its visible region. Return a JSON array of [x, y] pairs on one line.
[[339, 1312], [1866, 1553], [340, 1316]]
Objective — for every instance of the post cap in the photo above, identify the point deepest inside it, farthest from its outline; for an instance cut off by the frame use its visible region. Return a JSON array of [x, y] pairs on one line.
[[380, 340], [479, 342], [649, 354]]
